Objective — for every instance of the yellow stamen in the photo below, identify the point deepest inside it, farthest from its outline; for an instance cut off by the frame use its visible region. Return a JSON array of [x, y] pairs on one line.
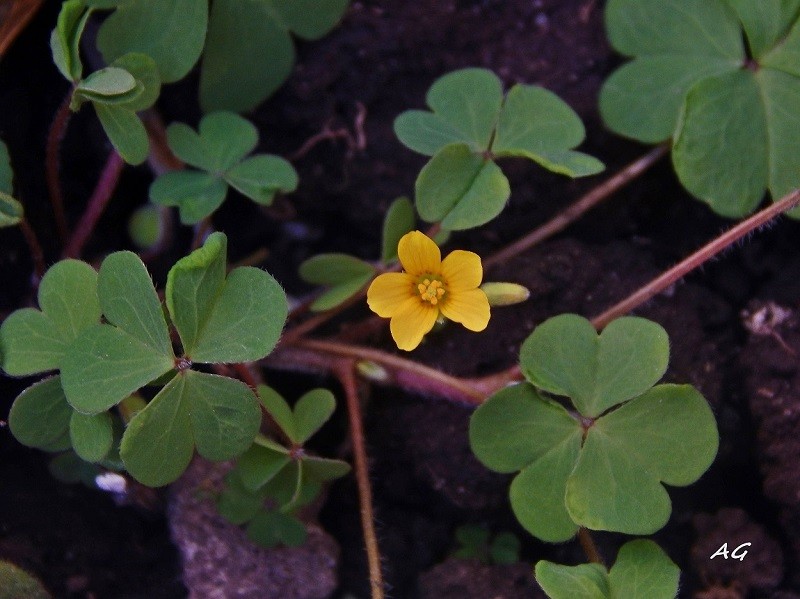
[[431, 291]]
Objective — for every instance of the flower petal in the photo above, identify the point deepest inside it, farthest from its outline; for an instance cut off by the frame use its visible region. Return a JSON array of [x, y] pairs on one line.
[[462, 270], [388, 292], [412, 322], [470, 308], [419, 254]]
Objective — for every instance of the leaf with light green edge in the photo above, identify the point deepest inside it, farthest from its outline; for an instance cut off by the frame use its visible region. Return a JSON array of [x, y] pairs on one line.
[[400, 219], [460, 189], [258, 465], [129, 301], [65, 39], [91, 435], [273, 528], [172, 32], [16, 583], [344, 274], [721, 146], [276, 406], [158, 444], [517, 429], [311, 411], [535, 123], [320, 470], [667, 435], [224, 413], [34, 341], [111, 85], [310, 19], [565, 355], [584, 581], [236, 503], [504, 549], [642, 569], [249, 52], [765, 22], [105, 364], [194, 284], [40, 415], [6, 173], [464, 105], [11, 211], [144, 70], [125, 132], [675, 45], [196, 194], [261, 177]]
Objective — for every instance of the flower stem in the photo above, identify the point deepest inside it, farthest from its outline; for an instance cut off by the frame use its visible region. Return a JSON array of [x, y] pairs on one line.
[[701, 256], [346, 374], [574, 211], [103, 191], [54, 137]]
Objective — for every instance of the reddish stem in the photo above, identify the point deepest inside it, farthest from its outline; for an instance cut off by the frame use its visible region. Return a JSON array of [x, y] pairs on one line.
[[106, 184], [54, 138]]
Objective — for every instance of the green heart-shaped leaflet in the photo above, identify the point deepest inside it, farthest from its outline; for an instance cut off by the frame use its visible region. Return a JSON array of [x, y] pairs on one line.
[[345, 275]]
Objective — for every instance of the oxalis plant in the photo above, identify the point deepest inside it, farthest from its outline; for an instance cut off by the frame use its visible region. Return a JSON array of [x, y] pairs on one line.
[[137, 380]]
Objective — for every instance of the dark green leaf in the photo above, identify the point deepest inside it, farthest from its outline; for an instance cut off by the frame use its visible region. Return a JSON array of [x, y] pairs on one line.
[[585, 581], [258, 465], [765, 22], [91, 435], [40, 415], [237, 504], [6, 174], [642, 569], [280, 411], [261, 177], [320, 470], [400, 219], [172, 32], [781, 97], [270, 529], [505, 549], [196, 194], [460, 189], [125, 131]]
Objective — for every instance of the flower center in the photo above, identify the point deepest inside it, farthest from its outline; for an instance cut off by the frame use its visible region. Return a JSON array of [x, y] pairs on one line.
[[431, 290]]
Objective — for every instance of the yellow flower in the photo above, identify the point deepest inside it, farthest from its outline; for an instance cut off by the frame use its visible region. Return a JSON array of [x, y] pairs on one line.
[[430, 286]]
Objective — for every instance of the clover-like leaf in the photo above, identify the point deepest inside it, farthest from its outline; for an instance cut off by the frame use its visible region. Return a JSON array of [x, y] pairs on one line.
[[40, 416], [642, 569], [219, 319], [566, 356], [219, 148], [667, 434], [345, 276], [690, 79], [584, 581], [108, 362], [460, 189], [181, 30], [399, 220], [249, 53], [65, 38], [33, 341], [217, 414]]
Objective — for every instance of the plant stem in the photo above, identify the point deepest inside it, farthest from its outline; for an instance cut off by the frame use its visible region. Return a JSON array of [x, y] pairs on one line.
[[589, 548], [346, 375], [708, 251], [574, 211], [54, 138], [37, 255], [103, 191]]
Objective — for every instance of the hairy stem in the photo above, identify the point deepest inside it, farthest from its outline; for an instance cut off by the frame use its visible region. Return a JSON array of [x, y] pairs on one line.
[[589, 548], [346, 375], [701, 256], [103, 191], [574, 211], [54, 137]]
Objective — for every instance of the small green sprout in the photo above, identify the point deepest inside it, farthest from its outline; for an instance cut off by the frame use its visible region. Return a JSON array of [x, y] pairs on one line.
[[642, 570], [219, 318], [219, 149], [620, 432], [475, 543], [285, 476], [470, 124], [692, 80]]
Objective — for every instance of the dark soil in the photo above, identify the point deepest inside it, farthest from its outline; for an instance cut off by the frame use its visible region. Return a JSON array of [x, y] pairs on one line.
[[383, 57]]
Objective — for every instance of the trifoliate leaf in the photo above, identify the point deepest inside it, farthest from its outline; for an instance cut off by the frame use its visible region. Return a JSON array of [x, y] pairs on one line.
[[195, 193], [261, 177]]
